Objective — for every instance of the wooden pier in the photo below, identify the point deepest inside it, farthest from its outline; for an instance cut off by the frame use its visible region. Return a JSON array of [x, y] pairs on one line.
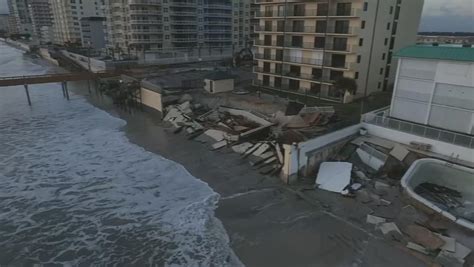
[[62, 78]]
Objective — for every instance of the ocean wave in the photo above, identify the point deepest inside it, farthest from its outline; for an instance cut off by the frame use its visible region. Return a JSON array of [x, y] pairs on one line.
[[74, 191]]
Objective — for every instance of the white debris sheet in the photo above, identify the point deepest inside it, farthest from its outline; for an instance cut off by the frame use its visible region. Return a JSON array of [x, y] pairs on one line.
[[334, 176]]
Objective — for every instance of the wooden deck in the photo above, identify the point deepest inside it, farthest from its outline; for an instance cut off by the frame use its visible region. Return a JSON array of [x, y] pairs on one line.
[[53, 78]]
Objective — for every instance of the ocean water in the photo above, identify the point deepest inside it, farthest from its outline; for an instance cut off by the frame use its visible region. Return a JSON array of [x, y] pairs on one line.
[[75, 192]]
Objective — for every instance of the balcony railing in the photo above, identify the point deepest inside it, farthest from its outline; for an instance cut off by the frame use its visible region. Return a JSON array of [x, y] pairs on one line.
[[289, 74], [349, 12], [379, 118]]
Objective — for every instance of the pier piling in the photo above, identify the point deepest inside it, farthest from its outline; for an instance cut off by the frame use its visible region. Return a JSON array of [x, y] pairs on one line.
[[27, 94]]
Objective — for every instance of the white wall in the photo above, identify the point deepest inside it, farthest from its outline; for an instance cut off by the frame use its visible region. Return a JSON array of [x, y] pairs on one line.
[[436, 93], [96, 65], [151, 99], [219, 86], [296, 156]]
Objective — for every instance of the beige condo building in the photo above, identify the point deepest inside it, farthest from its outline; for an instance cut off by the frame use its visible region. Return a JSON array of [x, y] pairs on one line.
[[304, 47], [67, 16]]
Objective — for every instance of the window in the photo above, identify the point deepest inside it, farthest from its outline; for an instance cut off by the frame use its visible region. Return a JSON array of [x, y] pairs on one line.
[[268, 26], [322, 10], [317, 73], [362, 25], [319, 42], [342, 26], [361, 41], [359, 58], [356, 75], [298, 26], [277, 82], [298, 10], [381, 71], [321, 26], [391, 10], [388, 26], [280, 40], [366, 6], [340, 44], [297, 41], [379, 85], [385, 42], [383, 56]]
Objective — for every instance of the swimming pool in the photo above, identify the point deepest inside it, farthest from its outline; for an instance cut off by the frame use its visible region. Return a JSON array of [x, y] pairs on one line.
[[449, 178]]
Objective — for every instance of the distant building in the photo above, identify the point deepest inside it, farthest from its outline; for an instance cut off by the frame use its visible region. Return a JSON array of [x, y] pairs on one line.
[[439, 39], [172, 26], [21, 17], [432, 103], [4, 23], [219, 82], [12, 27], [303, 47], [41, 16], [46, 35], [67, 18], [93, 32]]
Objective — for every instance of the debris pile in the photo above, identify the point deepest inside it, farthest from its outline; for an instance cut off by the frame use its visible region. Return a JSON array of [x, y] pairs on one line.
[[432, 247], [300, 124], [255, 136]]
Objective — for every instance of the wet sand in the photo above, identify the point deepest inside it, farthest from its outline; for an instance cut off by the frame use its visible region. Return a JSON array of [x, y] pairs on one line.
[[268, 224]]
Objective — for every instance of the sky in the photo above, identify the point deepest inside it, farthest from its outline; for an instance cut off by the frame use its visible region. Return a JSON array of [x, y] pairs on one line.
[[438, 15]]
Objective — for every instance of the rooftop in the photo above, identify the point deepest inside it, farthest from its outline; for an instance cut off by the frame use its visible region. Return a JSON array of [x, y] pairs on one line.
[[438, 52]]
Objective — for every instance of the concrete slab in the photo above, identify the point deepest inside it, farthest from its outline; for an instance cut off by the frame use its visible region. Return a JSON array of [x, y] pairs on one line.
[[375, 220], [449, 243], [417, 248], [334, 176], [399, 152]]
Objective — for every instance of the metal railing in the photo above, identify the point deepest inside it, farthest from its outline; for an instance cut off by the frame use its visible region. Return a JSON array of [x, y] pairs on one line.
[[380, 118]]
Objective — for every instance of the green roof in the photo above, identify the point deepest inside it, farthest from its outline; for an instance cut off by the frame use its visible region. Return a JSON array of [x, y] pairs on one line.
[[438, 52]]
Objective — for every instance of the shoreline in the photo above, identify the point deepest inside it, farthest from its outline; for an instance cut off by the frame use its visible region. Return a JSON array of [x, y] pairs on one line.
[[268, 223]]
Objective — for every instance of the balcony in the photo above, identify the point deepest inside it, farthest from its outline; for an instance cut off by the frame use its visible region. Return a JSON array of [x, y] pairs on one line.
[[145, 21], [183, 22], [259, 42], [332, 13], [380, 118], [182, 3], [148, 31], [144, 12], [343, 31], [145, 2], [144, 41], [184, 39]]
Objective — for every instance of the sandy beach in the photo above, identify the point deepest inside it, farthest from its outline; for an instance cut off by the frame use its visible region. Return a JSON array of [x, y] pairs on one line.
[[269, 223]]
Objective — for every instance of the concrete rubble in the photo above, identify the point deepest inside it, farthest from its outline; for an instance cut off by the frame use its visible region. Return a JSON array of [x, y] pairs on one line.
[[334, 176], [257, 137]]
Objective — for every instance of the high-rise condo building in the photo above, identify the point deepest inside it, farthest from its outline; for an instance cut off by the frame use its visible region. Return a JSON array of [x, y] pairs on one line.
[[177, 25], [304, 47], [67, 16]]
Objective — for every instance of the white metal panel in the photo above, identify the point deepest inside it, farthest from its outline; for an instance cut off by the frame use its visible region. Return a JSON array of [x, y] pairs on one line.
[[454, 95], [409, 110], [451, 119], [419, 69], [458, 73], [419, 90]]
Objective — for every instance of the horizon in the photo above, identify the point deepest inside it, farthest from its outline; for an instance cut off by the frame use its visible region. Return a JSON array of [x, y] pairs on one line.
[[436, 16]]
